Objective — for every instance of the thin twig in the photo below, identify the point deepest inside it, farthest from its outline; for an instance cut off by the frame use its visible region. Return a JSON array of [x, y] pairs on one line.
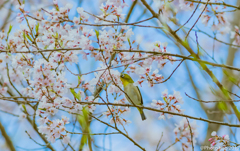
[[150, 52], [223, 4], [7, 138], [184, 57], [33, 139], [9, 113], [162, 111], [191, 134], [94, 133], [197, 19], [189, 18], [171, 73], [135, 143], [211, 101], [170, 145], [159, 142]]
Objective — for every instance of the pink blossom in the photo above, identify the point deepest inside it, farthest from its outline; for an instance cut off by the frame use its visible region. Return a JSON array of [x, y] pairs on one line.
[[66, 139]]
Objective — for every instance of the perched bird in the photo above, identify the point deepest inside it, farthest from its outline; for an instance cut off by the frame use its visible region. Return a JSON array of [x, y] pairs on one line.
[[133, 93]]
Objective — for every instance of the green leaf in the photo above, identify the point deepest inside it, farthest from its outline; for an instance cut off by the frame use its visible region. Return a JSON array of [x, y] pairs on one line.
[[83, 141], [165, 100], [43, 109], [24, 35], [129, 42], [222, 106], [37, 27], [29, 37], [61, 43], [8, 46], [57, 8], [46, 47], [79, 95], [185, 43], [76, 95], [24, 107], [103, 10], [79, 78], [97, 33], [83, 120], [10, 29]]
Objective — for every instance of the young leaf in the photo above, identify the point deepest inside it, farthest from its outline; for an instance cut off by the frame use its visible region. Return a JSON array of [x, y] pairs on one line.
[[37, 27], [76, 95]]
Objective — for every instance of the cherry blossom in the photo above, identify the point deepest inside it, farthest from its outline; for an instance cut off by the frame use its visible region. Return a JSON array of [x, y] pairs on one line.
[[222, 142], [169, 103], [182, 131], [39, 55]]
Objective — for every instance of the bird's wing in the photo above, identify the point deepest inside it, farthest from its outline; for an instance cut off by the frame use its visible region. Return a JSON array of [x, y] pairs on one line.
[[140, 95]]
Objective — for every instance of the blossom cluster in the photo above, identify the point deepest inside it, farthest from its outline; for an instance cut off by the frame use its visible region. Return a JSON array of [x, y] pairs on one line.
[[213, 16], [188, 131], [223, 142], [236, 36], [169, 104], [36, 56], [54, 129], [117, 111], [42, 73], [144, 68]]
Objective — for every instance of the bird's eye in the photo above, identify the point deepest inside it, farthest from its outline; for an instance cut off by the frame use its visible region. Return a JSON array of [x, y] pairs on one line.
[[122, 76]]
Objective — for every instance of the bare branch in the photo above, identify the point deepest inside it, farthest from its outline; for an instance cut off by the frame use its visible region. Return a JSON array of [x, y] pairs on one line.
[[191, 134], [7, 138], [223, 4]]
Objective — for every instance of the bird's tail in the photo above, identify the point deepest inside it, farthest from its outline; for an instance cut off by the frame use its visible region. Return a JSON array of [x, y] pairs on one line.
[[142, 114]]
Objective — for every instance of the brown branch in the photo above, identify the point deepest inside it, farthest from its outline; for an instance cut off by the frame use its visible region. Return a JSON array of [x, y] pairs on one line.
[[17, 101], [33, 124], [229, 44], [170, 145], [114, 118], [191, 134], [7, 138], [135, 143], [155, 15], [11, 81], [141, 51], [204, 67], [161, 111], [171, 73], [94, 133], [113, 23], [207, 70], [9, 113], [211, 101], [8, 16], [189, 18], [33, 139], [223, 4], [15, 97], [167, 112], [159, 145], [130, 10], [184, 57], [197, 19]]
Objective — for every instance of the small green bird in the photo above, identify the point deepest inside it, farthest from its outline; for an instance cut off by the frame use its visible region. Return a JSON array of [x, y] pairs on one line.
[[133, 93]]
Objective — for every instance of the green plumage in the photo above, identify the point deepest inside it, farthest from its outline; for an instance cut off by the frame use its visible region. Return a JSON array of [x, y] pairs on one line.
[[134, 97]]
